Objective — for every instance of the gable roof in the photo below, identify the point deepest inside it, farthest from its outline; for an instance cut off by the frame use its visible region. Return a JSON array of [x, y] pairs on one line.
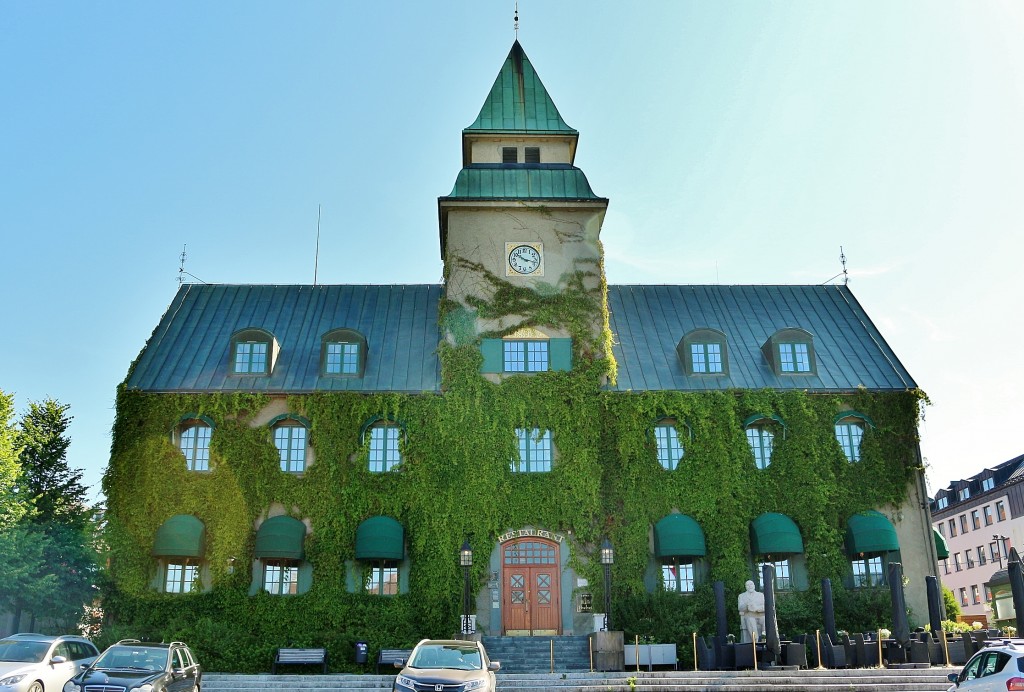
[[648, 322], [189, 350], [518, 101]]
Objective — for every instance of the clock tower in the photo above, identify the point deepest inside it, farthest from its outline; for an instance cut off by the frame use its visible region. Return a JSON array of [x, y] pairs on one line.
[[520, 231]]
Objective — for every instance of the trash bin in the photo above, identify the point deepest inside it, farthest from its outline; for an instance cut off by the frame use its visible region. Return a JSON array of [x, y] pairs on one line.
[[361, 652]]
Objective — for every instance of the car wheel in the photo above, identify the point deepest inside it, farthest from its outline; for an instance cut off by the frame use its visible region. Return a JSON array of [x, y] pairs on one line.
[[35, 687]]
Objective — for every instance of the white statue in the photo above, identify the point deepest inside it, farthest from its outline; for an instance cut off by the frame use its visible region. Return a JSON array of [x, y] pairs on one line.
[[751, 607]]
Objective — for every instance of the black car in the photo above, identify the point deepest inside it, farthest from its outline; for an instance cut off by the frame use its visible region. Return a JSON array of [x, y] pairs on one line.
[[134, 666]]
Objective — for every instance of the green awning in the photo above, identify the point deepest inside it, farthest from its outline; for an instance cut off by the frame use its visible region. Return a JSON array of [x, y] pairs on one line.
[[774, 534], [679, 535], [380, 538], [941, 547], [870, 532], [182, 535], [280, 537]]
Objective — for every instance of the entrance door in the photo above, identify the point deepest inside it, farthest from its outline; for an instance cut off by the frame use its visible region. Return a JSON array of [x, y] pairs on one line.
[[530, 576]]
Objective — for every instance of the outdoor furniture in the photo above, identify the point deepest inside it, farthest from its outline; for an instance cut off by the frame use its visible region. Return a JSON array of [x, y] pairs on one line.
[[867, 651], [725, 653], [705, 655], [294, 657], [794, 654], [957, 655], [392, 656]]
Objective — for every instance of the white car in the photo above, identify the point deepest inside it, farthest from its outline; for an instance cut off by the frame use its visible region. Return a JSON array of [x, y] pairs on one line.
[[999, 667], [42, 662], [447, 664]]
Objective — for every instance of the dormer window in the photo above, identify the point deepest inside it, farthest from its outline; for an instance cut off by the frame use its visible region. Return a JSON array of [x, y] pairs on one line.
[[963, 493], [942, 502], [987, 484], [791, 352], [343, 353], [703, 352], [253, 352]]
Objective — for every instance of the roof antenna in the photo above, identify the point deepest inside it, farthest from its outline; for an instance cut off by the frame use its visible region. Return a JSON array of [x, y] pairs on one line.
[[842, 258], [316, 256], [515, 20], [181, 269]]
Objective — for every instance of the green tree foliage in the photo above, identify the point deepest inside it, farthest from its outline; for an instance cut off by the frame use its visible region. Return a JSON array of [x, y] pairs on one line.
[[11, 507], [951, 604], [55, 490]]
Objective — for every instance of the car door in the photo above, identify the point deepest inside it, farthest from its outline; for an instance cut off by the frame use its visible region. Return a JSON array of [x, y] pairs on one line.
[[183, 672], [55, 674], [968, 678]]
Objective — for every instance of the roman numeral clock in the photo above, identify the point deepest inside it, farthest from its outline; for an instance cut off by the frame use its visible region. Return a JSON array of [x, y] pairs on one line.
[[524, 259]]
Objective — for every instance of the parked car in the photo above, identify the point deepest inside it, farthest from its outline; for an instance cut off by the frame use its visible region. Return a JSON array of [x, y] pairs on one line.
[[42, 662], [997, 667], [134, 666], [442, 664]]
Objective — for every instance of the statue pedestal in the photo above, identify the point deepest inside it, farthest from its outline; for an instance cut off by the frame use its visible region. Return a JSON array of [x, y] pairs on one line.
[[608, 650]]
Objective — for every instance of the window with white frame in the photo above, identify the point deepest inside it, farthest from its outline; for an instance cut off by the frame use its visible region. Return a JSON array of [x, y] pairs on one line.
[[794, 357], [1000, 510], [194, 443], [341, 358], [290, 440], [251, 357], [942, 502], [706, 357], [385, 454], [677, 576], [281, 577], [535, 451], [783, 579], [963, 596], [670, 449], [982, 559], [381, 577], [963, 493], [975, 519], [987, 484], [525, 356], [849, 433], [761, 439], [181, 576], [868, 571], [987, 513]]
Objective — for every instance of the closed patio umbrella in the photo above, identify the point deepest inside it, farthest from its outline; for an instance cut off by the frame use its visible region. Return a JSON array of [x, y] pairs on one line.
[[828, 610], [934, 606], [900, 624], [1013, 570], [771, 623], [722, 629]]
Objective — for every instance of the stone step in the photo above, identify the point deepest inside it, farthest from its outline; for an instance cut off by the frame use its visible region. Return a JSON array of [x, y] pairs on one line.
[[877, 680]]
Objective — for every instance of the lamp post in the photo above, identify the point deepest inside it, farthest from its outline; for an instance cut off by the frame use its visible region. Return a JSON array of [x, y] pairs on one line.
[[607, 558], [1001, 541], [466, 560]]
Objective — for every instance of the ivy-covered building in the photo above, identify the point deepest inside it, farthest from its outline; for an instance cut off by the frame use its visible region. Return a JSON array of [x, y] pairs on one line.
[[303, 463]]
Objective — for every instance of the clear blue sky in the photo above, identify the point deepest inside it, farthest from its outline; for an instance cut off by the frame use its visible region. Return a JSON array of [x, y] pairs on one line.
[[739, 142]]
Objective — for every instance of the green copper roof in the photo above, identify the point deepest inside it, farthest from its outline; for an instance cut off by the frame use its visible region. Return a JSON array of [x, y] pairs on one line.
[[679, 535], [380, 538], [870, 532], [180, 536], [509, 181], [518, 101], [774, 534]]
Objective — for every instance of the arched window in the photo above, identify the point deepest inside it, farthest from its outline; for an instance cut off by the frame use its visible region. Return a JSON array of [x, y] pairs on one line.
[[291, 439], [193, 439], [666, 439], [385, 452], [850, 427], [761, 431]]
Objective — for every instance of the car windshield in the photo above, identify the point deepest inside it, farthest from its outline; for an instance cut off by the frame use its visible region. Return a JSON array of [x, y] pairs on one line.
[[447, 656], [22, 651], [132, 658]]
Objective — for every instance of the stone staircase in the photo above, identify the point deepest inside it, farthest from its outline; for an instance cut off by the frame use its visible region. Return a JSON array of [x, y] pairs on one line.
[[873, 679], [539, 654]]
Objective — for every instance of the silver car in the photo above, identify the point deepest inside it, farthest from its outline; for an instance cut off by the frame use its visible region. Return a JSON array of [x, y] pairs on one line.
[[997, 667], [447, 664], [42, 662]]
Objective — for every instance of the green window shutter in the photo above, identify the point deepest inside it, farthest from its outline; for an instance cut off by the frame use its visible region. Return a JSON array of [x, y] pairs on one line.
[[560, 352], [493, 351]]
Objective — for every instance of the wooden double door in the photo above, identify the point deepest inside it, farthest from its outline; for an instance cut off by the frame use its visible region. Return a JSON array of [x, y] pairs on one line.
[[530, 587]]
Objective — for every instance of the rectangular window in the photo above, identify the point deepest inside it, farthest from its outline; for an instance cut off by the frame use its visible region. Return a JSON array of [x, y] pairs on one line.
[[963, 493], [849, 436], [251, 357], [988, 594], [195, 446], [677, 577], [384, 452], [1000, 511], [290, 441], [987, 512], [534, 451], [526, 356], [342, 359], [181, 577], [281, 577], [975, 519], [963, 596], [993, 551], [968, 559], [982, 559], [868, 572], [382, 578], [509, 155], [987, 484], [942, 502], [945, 566], [532, 154], [942, 528], [956, 562], [670, 451], [783, 581], [952, 528], [963, 523], [975, 594], [794, 358], [706, 358]]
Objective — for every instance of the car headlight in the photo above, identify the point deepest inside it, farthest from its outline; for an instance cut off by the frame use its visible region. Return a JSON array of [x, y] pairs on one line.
[[148, 687], [479, 684], [71, 687], [405, 682], [12, 679]]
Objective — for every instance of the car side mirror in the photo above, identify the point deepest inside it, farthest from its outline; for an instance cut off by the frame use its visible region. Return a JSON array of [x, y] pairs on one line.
[[494, 666], [400, 663], [58, 659], [178, 672], [952, 677]]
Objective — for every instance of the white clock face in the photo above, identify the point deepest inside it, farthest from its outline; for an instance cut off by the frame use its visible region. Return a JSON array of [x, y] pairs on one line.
[[524, 259]]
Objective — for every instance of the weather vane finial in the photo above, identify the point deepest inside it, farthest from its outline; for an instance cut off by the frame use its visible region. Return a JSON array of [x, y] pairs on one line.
[[515, 20]]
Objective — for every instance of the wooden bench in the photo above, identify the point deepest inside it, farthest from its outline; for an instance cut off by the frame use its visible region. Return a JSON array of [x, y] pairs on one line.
[[392, 656], [295, 657]]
